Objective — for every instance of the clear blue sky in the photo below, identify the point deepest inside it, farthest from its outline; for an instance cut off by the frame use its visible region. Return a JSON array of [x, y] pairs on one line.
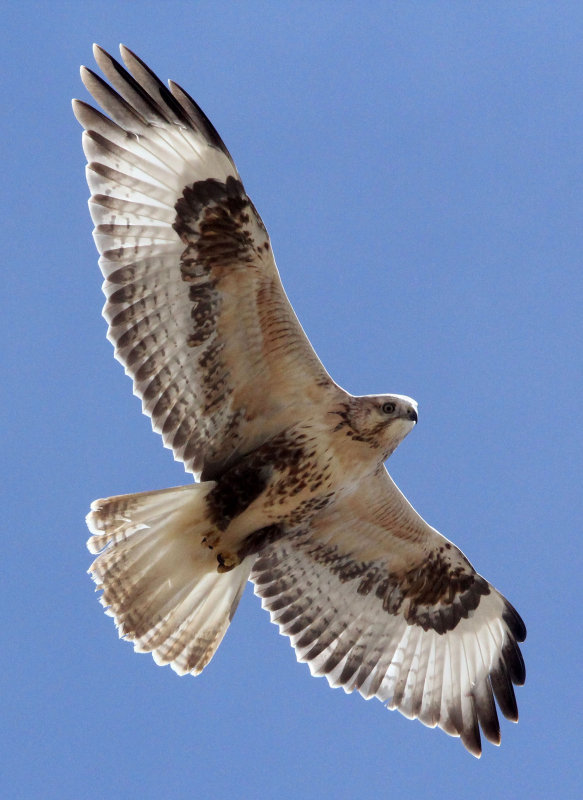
[[420, 169]]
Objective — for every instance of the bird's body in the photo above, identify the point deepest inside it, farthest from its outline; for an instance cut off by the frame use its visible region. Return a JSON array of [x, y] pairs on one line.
[[292, 490]]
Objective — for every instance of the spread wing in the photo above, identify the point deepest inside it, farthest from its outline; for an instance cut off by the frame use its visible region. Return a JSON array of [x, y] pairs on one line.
[[376, 600], [195, 306]]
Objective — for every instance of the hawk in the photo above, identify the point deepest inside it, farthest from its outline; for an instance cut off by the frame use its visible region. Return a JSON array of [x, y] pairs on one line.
[[290, 491]]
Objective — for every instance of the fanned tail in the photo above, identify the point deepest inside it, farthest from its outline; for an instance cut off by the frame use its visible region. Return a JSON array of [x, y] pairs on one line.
[[159, 582]]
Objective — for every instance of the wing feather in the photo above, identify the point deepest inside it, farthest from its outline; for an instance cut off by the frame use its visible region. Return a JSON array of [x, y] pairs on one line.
[[421, 630], [196, 309]]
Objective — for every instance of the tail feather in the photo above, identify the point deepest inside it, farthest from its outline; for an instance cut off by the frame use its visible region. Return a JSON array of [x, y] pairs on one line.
[[158, 580]]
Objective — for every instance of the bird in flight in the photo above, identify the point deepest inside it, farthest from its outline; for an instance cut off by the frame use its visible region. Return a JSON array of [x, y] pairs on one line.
[[291, 490]]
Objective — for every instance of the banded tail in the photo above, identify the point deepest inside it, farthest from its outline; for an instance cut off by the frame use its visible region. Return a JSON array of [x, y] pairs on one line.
[[159, 582]]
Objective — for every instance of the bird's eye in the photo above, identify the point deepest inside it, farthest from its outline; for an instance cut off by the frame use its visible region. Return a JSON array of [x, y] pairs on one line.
[[388, 408]]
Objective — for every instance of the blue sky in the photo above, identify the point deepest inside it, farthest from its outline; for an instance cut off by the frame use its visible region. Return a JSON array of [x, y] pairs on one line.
[[420, 169]]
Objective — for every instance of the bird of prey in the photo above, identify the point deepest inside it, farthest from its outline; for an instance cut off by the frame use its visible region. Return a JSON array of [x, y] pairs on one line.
[[290, 487]]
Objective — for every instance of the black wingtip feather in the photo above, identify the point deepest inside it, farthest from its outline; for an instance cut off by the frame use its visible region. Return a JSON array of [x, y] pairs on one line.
[[486, 712], [515, 622], [128, 54], [514, 662], [504, 693], [201, 119], [173, 104], [125, 82], [471, 738], [113, 103], [135, 65]]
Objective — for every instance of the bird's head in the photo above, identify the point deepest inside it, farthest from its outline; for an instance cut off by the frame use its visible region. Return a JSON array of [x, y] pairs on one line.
[[382, 421]]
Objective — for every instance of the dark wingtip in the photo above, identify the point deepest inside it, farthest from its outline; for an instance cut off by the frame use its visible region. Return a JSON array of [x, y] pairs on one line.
[[504, 692], [469, 732], [201, 119], [515, 622], [486, 711], [472, 742], [514, 662]]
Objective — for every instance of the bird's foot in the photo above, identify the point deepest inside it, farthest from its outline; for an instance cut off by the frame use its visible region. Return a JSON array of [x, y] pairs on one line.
[[227, 561]]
